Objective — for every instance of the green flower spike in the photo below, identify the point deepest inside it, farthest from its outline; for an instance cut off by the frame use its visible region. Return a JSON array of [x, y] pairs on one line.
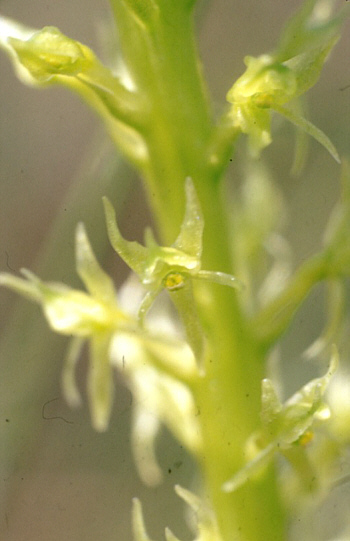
[[284, 425], [270, 82], [92, 316], [172, 268]]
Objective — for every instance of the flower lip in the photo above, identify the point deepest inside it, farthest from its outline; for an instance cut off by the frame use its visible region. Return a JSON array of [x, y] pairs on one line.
[[174, 281]]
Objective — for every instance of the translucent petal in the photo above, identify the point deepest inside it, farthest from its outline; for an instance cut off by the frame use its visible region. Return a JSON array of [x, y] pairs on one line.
[[69, 385], [220, 278], [271, 405], [190, 237], [19, 285], [190, 498], [310, 129], [146, 303], [100, 381], [250, 470], [205, 522], [312, 25], [185, 303], [307, 66], [97, 282], [144, 431], [134, 254]]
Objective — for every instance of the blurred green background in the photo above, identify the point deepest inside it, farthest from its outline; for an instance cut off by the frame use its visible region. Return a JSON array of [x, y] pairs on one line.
[[60, 480]]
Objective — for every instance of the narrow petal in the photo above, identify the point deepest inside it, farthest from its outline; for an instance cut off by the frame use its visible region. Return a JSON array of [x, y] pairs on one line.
[[184, 301], [134, 254], [309, 128], [144, 431], [146, 303], [97, 282], [220, 278], [251, 469], [100, 384], [271, 406], [24, 287], [69, 385], [195, 503], [190, 237]]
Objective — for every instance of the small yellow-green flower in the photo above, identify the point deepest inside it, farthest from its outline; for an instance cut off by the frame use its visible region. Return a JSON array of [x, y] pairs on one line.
[[93, 315], [284, 425], [263, 84], [167, 266], [171, 267], [275, 82], [268, 85]]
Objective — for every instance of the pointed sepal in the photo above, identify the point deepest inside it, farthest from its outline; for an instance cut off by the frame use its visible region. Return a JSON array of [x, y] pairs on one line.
[[133, 253]]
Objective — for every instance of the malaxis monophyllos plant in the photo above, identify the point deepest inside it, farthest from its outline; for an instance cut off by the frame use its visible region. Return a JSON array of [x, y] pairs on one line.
[[199, 363]]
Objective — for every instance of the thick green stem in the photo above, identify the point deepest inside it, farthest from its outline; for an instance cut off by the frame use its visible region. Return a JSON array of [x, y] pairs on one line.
[[164, 66], [229, 404], [163, 63]]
